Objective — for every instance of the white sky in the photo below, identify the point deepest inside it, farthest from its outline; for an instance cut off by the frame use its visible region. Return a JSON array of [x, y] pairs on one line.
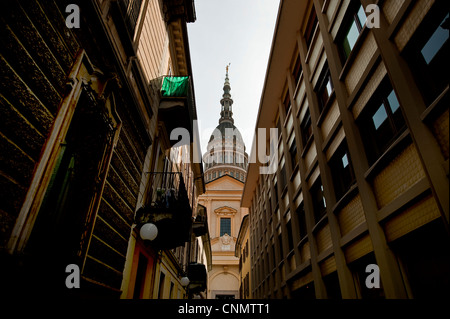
[[239, 32]]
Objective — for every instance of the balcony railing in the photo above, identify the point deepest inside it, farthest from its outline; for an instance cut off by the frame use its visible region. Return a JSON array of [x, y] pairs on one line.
[[168, 209]]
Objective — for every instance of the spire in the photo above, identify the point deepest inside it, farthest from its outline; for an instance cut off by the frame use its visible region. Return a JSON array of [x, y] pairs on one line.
[[226, 113]]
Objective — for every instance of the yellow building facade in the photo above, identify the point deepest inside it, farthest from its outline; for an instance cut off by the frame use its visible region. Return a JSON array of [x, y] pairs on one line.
[[361, 173], [225, 171], [242, 251]]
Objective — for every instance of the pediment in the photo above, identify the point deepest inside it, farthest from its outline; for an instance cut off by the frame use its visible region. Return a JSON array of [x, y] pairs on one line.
[[225, 211], [225, 183]]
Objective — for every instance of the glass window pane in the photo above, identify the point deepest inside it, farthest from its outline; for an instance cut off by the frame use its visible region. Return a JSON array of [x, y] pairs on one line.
[[345, 160], [225, 226], [362, 16], [346, 48], [435, 43], [329, 86], [379, 117], [323, 197], [352, 35], [393, 102]]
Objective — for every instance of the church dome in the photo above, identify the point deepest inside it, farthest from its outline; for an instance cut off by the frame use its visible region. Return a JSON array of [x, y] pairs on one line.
[[225, 153], [224, 128]]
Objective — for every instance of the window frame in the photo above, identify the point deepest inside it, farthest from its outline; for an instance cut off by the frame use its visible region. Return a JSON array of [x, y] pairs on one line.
[[311, 27], [280, 244], [221, 232], [290, 235], [319, 210], [322, 87], [306, 128], [131, 11], [376, 140], [428, 76], [351, 17], [293, 154], [343, 176], [287, 102], [301, 217], [297, 70]]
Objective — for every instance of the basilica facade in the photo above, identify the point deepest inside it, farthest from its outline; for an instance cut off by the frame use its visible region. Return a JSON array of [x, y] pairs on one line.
[[225, 171]]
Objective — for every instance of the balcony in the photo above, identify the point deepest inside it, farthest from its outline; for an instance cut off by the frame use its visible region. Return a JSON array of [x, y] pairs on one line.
[[176, 103], [179, 9], [197, 277], [200, 224], [167, 220]]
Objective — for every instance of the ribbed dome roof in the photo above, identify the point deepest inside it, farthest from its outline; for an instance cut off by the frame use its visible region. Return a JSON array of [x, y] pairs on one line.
[[222, 128]]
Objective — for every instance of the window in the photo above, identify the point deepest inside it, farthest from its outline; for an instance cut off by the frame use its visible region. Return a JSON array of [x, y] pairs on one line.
[[172, 285], [358, 269], [280, 244], [246, 249], [162, 278], [319, 203], [225, 226], [273, 255], [131, 9], [381, 122], [290, 236], [427, 53], [140, 276], [311, 27], [324, 88], [435, 43], [283, 178], [270, 205], [67, 203], [341, 170], [306, 128], [287, 102], [293, 153], [275, 186], [279, 129], [331, 282], [351, 30], [297, 71], [301, 220], [246, 286]]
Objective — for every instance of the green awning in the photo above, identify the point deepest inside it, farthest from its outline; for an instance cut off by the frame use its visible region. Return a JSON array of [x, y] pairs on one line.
[[175, 86]]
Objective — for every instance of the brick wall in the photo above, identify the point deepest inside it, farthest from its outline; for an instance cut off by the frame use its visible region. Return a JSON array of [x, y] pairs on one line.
[[328, 266], [305, 252], [391, 8], [323, 238], [358, 249], [402, 173], [351, 215], [365, 54], [412, 218], [369, 89], [330, 119]]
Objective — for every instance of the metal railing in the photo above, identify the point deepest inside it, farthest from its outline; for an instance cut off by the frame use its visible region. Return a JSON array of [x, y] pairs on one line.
[[167, 189]]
